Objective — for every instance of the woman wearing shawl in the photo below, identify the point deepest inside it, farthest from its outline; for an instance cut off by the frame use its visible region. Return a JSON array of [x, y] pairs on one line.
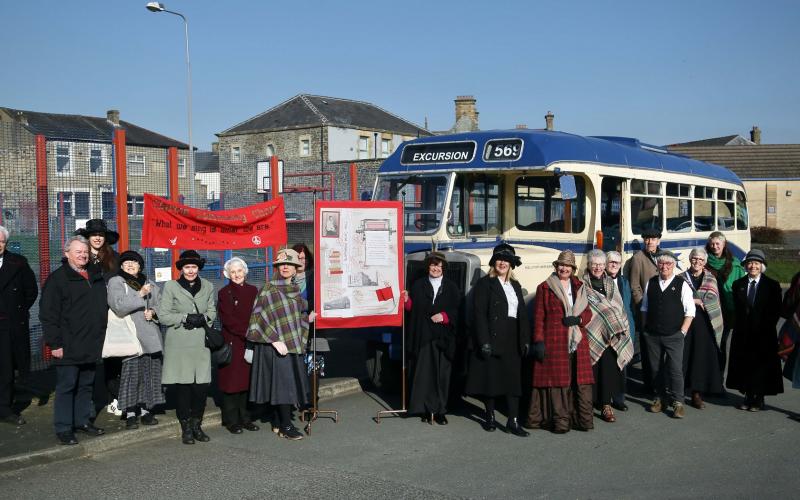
[[500, 338], [701, 354], [789, 336], [608, 333], [279, 330], [562, 367], [130, 293], [726, 269]]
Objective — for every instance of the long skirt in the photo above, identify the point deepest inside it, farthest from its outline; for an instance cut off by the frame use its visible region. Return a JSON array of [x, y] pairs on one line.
[[559, 408], [278, 380], [701, 357], [430, 381], [608, 378], [140, 382], [497, 375]]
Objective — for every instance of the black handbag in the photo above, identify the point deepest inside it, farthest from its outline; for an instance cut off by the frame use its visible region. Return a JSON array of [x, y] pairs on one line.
[[222, 356], [214, 338]]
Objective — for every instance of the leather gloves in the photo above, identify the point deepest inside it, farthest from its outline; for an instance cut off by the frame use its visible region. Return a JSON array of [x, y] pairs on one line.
[[194, 320], [571, 321], [538, 351], [486, 351], [526, 350]]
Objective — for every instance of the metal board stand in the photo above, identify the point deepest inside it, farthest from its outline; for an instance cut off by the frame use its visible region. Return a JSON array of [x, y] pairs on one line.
[[311, 414], [403, 382]]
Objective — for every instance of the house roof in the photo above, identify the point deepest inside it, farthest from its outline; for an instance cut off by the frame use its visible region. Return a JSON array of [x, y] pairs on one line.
[[90, 128], [206, 162], [303, 110], [763, 162], [728, 140]]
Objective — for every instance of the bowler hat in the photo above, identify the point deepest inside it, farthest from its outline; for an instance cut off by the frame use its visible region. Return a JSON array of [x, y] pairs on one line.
[[566, 258], [506, 253], [190, 257], [756, 255], [95, 226], [287, 256]]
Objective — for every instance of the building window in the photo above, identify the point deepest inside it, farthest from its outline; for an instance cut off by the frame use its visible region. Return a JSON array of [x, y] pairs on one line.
[[181, 167], [135, 205], [108, 204], [386, 147], [97, 161], [725, 209], [73, 204], [270, 151], [741, 210], [305, 145], [63, 159], [136, 165], [236, 154], [679, 208], [363, 147], [64, 203]]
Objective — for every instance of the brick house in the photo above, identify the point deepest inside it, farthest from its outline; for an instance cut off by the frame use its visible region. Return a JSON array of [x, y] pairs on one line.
[[770, 174], [80, 166], [310, 134]]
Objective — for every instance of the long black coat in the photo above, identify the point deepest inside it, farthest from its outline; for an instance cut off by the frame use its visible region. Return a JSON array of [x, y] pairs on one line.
[[74, 314], [754, 365], [499, 374], [18, 291]]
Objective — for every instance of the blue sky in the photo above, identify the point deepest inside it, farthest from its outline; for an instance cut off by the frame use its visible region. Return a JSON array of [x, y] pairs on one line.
[[664, 72]]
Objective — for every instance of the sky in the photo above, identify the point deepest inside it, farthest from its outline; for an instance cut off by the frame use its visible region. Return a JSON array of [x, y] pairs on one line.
[[663, 72]]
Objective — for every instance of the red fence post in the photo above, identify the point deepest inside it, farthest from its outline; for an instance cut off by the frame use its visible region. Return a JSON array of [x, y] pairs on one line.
[[353, 182], [273, 172], [174, 195], [42, 208], [121, 174]]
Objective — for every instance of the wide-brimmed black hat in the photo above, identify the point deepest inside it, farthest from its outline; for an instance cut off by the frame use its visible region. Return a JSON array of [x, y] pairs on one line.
[[190, 257], [95, 226], [131, 255], [651, 232], [506, 253]]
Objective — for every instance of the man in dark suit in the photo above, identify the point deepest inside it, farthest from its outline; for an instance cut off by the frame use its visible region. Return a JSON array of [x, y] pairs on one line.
[[18, 292]]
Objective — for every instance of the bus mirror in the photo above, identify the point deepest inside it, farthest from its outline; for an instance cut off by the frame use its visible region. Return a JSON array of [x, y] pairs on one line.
[[567, 185]]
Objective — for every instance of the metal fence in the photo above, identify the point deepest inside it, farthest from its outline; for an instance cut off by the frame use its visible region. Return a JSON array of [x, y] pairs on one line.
[[49, 187]]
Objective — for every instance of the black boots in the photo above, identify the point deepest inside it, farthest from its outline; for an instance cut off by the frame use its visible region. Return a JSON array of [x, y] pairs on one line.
[[186, 432], [489, 424], [514, 428], [197, 431]]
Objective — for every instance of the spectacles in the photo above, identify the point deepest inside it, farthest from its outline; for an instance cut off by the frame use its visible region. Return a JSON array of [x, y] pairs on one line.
[[617, 262], [695, 259]]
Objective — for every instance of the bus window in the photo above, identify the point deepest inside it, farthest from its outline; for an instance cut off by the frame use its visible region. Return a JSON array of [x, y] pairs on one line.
[[539, 206], [725, 209], [704, 209], [647, 206], [422, 196], [483, 205], [455, 222], [741, 210], [679, 208]]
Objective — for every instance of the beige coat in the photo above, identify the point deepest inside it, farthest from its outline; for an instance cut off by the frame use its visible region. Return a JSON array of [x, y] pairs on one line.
[[642, 269], [187, 360]]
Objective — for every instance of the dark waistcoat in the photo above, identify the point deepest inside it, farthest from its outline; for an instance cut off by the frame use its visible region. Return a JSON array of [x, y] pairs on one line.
[[664, 309]]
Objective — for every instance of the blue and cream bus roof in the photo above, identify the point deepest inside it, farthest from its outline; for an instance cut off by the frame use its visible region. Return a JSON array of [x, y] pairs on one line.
[[538, 149]]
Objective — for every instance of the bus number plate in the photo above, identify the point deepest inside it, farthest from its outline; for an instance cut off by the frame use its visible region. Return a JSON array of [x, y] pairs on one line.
[[503, 150]]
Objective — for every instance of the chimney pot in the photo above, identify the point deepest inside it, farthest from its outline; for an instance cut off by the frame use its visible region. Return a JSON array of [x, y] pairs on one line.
[[215, 147], [548, 120], [521, 126], [755, 135], [113, 116]]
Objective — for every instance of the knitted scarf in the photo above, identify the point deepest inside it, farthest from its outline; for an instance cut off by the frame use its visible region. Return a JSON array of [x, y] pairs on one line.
[[278, 316], [135, 282], [715, 265], [580, 303], [708, 293], [609, 325]]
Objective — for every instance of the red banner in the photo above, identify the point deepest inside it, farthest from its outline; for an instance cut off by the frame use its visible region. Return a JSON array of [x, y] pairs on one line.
[[171, 225]]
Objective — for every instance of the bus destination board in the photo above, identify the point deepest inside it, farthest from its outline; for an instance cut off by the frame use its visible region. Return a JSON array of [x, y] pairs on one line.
[[440, 152]]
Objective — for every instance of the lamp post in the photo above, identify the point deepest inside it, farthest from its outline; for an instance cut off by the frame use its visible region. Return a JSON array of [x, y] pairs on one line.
[[159, 7]]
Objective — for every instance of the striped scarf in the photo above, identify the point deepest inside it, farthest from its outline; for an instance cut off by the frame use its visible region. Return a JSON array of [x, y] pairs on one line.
[[609, 325], [579, 305], [278, 316], [708, 293]]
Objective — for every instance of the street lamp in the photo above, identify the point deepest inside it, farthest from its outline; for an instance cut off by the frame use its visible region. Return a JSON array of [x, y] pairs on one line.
[[159, 7]]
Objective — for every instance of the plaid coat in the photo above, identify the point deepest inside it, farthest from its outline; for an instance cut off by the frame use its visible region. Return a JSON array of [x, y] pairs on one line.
[[547, 327]]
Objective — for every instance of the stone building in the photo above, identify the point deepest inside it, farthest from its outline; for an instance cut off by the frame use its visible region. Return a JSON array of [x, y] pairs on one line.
[[80, 167], [310, 134], [770, 174]]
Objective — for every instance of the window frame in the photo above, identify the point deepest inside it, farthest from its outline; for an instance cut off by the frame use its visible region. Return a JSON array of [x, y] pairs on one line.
[[132, 159], [70, 171], [577, 212], [236, 153], [102, 148]]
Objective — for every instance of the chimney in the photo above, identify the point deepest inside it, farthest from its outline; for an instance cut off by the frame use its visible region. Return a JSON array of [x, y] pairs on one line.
[[215, 147], [755, 135], [466, 114], [112, 115], [20, 118], [548, 120], [521, 126]]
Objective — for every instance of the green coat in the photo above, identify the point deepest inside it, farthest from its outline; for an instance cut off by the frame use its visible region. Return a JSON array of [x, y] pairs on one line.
[[187, 360]]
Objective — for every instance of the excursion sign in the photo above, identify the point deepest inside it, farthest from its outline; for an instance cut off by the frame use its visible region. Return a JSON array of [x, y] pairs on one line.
[[441, 152]]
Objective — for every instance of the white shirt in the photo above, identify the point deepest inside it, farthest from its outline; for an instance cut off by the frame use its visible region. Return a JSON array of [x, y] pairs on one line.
[[687, 297], [435, 283], [511, 297]]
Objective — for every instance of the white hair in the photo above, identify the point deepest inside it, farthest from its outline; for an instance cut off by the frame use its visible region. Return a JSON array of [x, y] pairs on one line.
[[231, 263], [75, 238], [4, 232], [663, 257], [613, 254], [699, 252]]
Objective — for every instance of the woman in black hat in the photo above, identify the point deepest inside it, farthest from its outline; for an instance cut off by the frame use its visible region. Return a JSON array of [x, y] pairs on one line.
[[101, 255], [500, 339], [755, 368], [433, 303], [187, 305]]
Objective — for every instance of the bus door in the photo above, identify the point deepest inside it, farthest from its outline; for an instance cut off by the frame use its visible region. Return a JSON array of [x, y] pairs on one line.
[[611, 213]]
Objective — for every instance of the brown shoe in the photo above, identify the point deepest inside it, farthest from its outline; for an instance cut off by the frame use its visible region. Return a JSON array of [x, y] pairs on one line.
[[677, 410], [608, 414], [697, 401], [656, 406]]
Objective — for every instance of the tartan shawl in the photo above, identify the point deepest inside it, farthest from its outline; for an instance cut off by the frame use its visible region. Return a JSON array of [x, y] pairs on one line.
[[609, 325], [278, 316], [578, 306], [708, 293]]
